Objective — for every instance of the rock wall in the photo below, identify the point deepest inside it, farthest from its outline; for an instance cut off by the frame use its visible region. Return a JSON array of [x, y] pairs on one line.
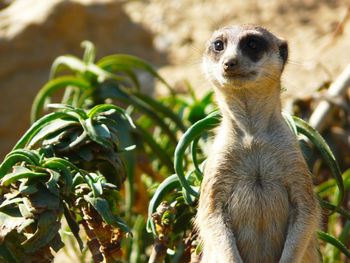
[[34, 32]]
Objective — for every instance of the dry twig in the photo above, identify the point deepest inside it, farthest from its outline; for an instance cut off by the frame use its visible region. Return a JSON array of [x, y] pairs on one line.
[[323, 112]]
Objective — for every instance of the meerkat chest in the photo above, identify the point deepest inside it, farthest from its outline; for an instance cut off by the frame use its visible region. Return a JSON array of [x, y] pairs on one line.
[[257, 202], [258, 183], [258, 173]]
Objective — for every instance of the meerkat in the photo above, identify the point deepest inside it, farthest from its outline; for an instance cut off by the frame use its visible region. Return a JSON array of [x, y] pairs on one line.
[[256, 203]]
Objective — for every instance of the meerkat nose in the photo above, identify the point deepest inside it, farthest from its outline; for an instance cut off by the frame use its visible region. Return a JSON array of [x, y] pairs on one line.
[[230, 64]]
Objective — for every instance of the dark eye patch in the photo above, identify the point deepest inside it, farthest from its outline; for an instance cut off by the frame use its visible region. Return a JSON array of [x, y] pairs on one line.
[[253, 46]]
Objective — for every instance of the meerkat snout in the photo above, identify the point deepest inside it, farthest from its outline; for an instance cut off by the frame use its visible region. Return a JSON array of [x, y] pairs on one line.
[[229, 65]]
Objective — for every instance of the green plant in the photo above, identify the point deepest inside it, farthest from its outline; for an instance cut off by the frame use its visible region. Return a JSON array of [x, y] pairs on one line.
[[46, 184]]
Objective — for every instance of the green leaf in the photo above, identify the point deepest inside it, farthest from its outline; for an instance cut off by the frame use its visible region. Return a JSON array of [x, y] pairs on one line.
[[8, 255], [113, 169], [20, 173], [102, 75], [27, 187], [155, 147], [73, 225], [18, 156], [90, 181], [84, 97], [36, 126], [290, 122], [102, 207], [86, 123], [33, 155], [43, 199], [194, 159], [305, 148], [207, 99], [90, 129], [69, 62], [25, 212], [120, 222], [103, 131], [57, 164], [160, 107], [73, 111], [90, 51], [126, 70], [11, 219], [127, 149], [196, 130], [50, 87], [131, 61], [47, 229], [56, 243], [75, 142], [335, 242], [9, 202], [123, 96], [52, 128], [326, 152], [196, 111], [51, 184], [77, 180], [128, 157], [199, 248], [168, 185], [327, 188], [344, 237], [65, 163], [330, 206], [138, 241], [76, 65], [105, 107]]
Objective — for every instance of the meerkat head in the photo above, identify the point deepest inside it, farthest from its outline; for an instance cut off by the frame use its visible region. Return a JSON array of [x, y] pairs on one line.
[[243, 57]]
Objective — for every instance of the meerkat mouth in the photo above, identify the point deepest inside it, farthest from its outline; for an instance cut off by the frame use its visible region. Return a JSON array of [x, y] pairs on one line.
[[239, 75]]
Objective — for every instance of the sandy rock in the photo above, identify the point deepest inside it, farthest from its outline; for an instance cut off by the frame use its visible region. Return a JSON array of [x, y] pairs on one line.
[[34, 32]]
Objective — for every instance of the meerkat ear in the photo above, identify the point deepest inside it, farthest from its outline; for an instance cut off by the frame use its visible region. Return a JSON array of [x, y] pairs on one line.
[[283, 49]]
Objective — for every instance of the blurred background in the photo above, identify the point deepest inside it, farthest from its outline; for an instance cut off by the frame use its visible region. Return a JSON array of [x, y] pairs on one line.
[[169, 34]]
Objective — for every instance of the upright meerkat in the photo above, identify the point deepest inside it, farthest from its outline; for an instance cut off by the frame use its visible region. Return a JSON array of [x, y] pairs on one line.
[[257, 203]]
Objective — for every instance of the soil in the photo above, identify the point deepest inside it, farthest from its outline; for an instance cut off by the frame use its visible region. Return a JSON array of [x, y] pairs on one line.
[[181, 28]]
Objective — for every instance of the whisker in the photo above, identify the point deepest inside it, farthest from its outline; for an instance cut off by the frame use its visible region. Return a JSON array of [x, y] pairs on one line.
[[294, 62], [196, 49], [270, 76]]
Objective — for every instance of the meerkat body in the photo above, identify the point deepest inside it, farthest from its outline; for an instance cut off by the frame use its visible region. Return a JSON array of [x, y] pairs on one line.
[[256, 204]]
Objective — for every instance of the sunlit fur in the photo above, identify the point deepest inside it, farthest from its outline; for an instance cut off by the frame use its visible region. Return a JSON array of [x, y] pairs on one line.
[[256, 203]]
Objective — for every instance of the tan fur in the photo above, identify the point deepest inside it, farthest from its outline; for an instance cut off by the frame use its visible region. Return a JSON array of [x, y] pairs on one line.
[[256, 204]]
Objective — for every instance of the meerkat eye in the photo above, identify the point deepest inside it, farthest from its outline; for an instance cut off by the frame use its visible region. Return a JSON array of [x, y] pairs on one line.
[[218, 45], [252, 44]]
